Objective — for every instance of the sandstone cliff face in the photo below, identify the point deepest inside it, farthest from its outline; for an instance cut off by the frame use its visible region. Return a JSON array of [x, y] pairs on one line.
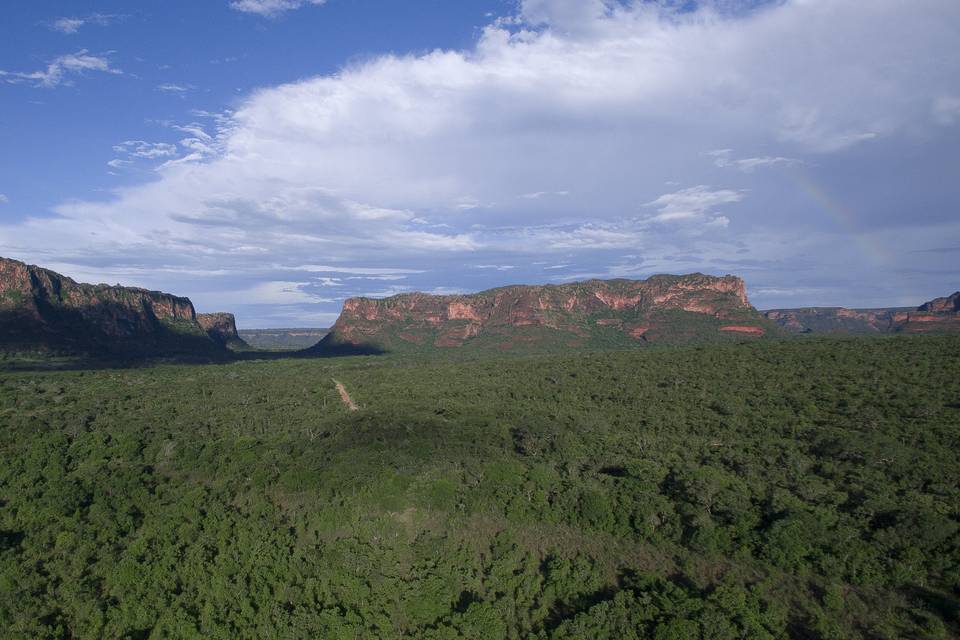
[[938, 315], [580, 312], [39, 307], [833, 320], [950, 304], [222, 328]]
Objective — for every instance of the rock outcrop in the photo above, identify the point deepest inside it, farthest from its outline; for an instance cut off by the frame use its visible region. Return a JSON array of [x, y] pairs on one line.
[[222, 328], [833, 320], [40, 308], [661, 308], [950, 304], [938, 315]]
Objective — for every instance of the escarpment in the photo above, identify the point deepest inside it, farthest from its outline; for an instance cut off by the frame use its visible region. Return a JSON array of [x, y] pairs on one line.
[[42, 309], [949, 304], [222, 328], [595, 312], [936, 316]]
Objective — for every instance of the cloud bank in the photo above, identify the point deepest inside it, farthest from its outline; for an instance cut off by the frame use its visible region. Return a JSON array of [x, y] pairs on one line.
[[597, 136]]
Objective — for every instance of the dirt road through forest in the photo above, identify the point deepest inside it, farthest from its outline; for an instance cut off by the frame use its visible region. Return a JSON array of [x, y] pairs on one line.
[[342, 390]]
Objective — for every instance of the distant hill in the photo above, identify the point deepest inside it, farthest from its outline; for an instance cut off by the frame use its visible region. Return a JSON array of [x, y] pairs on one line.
[[283, 339], [596, 313], [937, 316], [43, 310]]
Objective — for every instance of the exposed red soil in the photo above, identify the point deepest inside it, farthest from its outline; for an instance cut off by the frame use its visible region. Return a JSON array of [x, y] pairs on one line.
[[345, 396], [753, 331]]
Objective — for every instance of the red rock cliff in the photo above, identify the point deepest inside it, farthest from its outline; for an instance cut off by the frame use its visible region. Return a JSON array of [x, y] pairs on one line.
[[938, 315], [39, 304], [221, 327], [576, 309], [950, 304]]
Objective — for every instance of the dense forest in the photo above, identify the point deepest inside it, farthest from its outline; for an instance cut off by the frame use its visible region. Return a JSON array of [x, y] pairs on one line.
[[282, 339], [780, 489]]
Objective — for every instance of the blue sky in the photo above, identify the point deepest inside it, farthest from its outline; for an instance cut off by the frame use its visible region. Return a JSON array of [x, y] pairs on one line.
[[273, 157]]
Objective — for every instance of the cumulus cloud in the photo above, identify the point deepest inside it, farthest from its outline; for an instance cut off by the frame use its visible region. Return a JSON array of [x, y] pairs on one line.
[[60, 69], [419, 159], [271, 8], [695, 204], [565, 15]]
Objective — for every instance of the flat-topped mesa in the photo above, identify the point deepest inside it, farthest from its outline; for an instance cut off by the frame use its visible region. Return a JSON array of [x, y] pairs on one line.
[[634, 309], [937, 315], [42, 308], [833, 320]]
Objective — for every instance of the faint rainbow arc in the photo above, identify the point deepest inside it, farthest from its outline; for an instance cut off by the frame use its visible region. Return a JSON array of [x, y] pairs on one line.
[[873, 251]]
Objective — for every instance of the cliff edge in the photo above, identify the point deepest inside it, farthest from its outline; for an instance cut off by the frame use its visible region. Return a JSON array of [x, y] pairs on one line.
[[591, 313], [42, 309]]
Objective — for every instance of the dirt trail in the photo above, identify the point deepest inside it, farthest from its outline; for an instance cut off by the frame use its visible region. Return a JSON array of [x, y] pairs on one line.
[[342, 390]]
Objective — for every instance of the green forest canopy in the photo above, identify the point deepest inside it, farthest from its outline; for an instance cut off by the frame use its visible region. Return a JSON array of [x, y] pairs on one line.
[[781, 489]]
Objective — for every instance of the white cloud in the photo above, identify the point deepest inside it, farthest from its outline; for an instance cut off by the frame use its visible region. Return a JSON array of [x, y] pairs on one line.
[[387, 278], [67, 25], [147, 150], [565, 15], [4, 199], [695, 204], [608, 100], [70, 25], [194, 129], [271, 8], [724, 158], [365, 271], [447, 291], [536, 195], [465, 203], [279, 293], [587, 236], [273, 292], [173, 88], [60, 69]]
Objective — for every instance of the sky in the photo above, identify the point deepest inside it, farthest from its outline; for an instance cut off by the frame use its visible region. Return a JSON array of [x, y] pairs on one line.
[[275, 157]]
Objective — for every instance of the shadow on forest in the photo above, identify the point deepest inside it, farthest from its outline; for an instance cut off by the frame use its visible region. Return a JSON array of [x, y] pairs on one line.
[[39, 362], [319, 350], [945, 605]]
